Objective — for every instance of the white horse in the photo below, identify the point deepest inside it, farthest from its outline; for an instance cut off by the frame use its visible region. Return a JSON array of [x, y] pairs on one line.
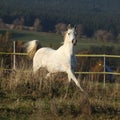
[[61, 60]]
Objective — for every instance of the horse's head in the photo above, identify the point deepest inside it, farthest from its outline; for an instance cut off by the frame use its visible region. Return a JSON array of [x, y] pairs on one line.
[[98, 66], [70, 35], [99, 63]]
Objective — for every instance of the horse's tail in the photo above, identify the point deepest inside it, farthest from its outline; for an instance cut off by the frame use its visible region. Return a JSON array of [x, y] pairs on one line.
[[32, 47]]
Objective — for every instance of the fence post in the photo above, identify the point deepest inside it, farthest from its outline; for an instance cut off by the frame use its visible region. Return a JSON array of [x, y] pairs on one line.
[[14, 56], [104, 69]]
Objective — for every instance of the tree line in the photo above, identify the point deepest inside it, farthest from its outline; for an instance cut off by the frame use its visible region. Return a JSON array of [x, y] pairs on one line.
[[100, 34], [91, 14]]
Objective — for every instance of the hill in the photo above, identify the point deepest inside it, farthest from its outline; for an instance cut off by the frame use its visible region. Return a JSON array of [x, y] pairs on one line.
[[59, 6], [103, 14]]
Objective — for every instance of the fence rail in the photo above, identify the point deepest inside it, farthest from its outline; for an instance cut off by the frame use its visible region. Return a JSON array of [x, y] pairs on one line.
[[6, 53], [97, 55], [77, 55]]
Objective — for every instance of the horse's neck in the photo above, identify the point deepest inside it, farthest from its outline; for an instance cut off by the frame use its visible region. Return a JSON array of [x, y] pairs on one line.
[[68, 49]]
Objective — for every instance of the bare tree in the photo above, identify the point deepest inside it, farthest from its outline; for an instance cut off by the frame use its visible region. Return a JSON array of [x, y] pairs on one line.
[[99, 34], [108, 37], [37, 25], [18, 23], [104, 35], [60, 28], [79, 30]]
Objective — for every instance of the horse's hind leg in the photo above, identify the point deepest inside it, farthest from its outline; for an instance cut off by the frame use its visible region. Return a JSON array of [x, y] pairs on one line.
[[48, 75], [35, 69]]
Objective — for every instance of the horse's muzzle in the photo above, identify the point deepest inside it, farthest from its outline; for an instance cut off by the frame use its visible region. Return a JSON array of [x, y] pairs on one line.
[[74, 41]]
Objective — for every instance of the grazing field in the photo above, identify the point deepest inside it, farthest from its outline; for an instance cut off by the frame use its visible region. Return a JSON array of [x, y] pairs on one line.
[[27, 97], [24, 96], [54, 40]]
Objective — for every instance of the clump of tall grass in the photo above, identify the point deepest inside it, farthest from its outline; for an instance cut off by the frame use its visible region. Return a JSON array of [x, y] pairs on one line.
[[47, 95]]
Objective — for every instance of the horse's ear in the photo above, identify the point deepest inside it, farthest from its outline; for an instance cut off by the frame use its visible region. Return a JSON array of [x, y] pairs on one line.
[[75, 27], [69, 26]]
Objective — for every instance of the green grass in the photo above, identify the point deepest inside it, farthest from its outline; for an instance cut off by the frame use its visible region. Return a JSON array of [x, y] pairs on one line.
[[86, 43], [46, 39], [54, 40]]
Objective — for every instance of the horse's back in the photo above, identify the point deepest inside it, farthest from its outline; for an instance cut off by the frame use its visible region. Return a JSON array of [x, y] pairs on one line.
[[41, 57], [44, 51]]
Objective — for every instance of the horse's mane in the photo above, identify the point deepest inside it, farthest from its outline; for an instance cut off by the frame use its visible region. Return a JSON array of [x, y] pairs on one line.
[[65, 35]]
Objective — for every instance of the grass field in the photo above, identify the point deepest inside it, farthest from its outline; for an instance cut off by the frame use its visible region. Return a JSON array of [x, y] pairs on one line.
[[54, 40], [26, 97]]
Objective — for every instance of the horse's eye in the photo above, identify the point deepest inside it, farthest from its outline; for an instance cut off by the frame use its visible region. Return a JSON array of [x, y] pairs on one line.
[[68, 33]]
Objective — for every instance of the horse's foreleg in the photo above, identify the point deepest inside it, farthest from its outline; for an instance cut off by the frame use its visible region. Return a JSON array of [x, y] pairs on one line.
[[72, 76], [67, 87]]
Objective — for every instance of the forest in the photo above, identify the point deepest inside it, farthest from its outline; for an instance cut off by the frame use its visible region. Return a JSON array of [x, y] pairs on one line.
[[92, 14]]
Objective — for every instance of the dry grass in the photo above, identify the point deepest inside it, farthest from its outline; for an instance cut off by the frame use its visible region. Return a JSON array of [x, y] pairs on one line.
[[33, 94]]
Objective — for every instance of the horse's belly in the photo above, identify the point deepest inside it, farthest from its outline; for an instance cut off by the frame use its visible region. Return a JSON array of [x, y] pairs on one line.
[[56, 66], [53, 69], [51, 60]]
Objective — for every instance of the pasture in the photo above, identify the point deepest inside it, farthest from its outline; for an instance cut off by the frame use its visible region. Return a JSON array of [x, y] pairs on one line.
[[23, 97], [26, 97], [54, 40]]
